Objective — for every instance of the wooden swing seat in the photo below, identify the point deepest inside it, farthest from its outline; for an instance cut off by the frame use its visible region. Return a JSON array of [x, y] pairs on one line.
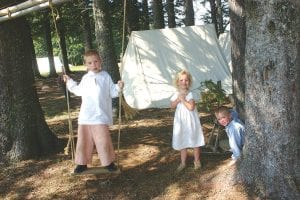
[[96, 171]]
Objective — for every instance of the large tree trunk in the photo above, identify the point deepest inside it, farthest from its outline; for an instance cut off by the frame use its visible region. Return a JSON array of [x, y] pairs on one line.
[[171, 14], [238, 43], [158, 14], [270, 160], [189, 13], [23, 130], [104, 38]]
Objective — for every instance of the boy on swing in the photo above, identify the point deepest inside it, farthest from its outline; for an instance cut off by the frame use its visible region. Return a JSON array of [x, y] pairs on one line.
[[96, 89]]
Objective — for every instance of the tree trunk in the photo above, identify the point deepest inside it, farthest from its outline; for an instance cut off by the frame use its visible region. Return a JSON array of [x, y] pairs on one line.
[[238, 43], [220, 17], [158, 14], [47, 29], [213, 12], [34, 65], [62, 41], [145, 15], [270, 160], [171, 14], [87, 33], [104, 38], [132, 15], [189, 13], [24, 132]]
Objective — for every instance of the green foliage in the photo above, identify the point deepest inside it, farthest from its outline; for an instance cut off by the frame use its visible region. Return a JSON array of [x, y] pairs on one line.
[[212, 95], [71, 16]]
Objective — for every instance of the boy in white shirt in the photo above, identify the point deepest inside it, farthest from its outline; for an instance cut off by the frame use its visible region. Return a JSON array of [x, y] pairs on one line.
[[96, 90]]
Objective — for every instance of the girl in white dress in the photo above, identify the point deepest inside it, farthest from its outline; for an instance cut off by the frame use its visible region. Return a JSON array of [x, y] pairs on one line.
[[187, 130]]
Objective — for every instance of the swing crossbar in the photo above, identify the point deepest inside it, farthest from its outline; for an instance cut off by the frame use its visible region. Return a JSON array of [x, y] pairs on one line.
[[26, 8]]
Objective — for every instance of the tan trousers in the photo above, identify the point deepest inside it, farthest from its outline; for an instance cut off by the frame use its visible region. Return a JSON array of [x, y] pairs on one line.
[[90, 135]]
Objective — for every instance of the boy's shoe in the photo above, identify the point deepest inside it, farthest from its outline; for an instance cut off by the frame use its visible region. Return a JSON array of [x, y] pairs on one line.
[[80, 168], [180, 167], [112, 167], [197, 165]]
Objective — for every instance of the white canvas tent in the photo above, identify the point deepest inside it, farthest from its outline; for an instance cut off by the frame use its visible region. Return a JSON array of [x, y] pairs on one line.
[[152, 59]]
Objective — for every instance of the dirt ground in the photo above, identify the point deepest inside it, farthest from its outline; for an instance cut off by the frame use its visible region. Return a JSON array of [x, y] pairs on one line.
[[147, 161]]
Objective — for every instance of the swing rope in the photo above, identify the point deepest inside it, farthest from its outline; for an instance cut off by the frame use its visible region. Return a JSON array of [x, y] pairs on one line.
[[70, 144], [120, 71]]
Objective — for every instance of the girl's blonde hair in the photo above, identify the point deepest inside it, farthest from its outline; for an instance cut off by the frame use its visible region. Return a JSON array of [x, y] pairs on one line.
[[179, 74]]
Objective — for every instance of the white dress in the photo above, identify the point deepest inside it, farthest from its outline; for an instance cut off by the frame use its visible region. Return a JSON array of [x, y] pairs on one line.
[[187, 130]]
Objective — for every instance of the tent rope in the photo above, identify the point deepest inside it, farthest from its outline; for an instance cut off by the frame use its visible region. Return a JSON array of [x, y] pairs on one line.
[[70, 144]]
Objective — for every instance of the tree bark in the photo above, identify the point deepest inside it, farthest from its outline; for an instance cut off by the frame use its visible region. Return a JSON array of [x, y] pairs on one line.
[[132, 16], [238, 45], [87, 33], [213, 10], [270, 160], [171, 14], [145, 15], [158, 14], [47, 29], [35, 68], [104, 38], [220, 17], [189, 13], [23, 130], [62, 41]]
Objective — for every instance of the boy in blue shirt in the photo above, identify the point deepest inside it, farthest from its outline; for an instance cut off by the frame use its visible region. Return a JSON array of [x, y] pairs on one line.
[[234, 128]]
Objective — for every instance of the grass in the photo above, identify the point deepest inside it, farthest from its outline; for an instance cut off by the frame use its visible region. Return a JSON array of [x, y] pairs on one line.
[[45, 73]]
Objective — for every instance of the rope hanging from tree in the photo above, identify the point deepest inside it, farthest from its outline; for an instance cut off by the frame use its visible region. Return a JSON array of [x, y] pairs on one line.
[[120, 94], [71, 144], [130, 112]]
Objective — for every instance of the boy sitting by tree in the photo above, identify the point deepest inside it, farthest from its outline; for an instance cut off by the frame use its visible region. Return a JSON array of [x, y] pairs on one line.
[[234, 128]]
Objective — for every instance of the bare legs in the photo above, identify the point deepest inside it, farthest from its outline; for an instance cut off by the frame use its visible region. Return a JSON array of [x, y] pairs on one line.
[[197, 152], [183, 156]]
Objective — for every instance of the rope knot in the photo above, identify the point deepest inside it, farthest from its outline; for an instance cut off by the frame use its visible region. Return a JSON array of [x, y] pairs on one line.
[[8, 13]]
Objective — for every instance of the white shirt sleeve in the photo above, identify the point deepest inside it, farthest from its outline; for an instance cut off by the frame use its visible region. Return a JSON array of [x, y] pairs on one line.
[[74, 87], [114, 88]]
